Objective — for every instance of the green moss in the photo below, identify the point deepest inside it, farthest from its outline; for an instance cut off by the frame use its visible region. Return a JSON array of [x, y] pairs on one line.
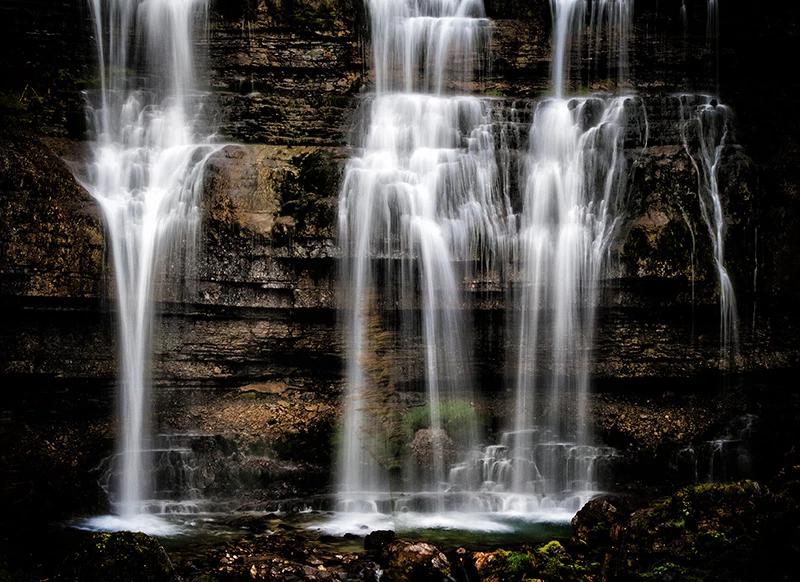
[[556, 564], [456, 418], [518, 564], [667, 571]]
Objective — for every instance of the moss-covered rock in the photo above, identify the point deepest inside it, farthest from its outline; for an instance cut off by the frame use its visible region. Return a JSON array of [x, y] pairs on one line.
[[407, 561], [504, 566], [737, 531]]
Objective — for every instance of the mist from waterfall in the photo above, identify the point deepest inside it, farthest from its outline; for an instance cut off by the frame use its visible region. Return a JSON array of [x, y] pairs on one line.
[[149, 146]]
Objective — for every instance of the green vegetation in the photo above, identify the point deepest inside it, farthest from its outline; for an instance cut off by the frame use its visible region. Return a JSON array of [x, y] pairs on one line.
[[456, 416], [518, 565], [556, 564]]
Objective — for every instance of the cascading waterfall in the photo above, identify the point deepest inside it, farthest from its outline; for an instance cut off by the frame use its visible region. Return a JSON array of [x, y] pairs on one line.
[[576, 177], [417, 210], [150, 149], [424, 203], [705, 131]]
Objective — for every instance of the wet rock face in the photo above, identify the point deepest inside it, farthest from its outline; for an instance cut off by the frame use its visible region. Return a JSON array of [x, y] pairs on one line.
[[287, 73], [414, 561], [285, 78], [284, 71], [52, 243], [120, 556]]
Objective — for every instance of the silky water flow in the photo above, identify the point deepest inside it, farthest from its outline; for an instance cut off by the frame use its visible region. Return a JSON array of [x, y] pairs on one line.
[[150, 145], [425, 208]]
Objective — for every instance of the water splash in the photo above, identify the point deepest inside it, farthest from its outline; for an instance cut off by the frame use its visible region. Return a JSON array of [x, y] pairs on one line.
[[150, 149]]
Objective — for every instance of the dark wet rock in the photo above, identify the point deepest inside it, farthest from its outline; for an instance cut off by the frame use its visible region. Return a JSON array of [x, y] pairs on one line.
[[289, 555], [427, 441], [49, 469], [52, 243], [787, 481], [736, 531], [598, 522], [378, 539], [406, 561]]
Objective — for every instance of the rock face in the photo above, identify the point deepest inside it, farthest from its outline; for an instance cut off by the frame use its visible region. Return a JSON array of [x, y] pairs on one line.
[[252, 349]]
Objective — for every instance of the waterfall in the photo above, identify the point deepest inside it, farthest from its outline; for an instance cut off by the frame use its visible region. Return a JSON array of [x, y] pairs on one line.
[[576, 179], [149, 151], [611, 20], [573, 194], [418, 212], [425, 207], [705, 131]]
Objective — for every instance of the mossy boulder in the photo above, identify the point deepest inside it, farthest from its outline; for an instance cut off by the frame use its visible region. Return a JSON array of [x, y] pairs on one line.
[[406, 561], [504, 566], [736, 531]]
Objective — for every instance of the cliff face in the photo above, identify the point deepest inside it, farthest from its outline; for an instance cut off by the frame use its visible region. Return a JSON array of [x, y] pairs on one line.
[[286, 78]]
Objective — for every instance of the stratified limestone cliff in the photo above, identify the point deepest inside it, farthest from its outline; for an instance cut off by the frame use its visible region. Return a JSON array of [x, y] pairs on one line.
[[286, 79]]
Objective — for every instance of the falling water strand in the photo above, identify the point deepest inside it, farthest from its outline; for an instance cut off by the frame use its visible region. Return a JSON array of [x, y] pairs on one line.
[[568, 17], [149, 156], [575, 183], [417, 210], [705, 129], [611, 20]]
